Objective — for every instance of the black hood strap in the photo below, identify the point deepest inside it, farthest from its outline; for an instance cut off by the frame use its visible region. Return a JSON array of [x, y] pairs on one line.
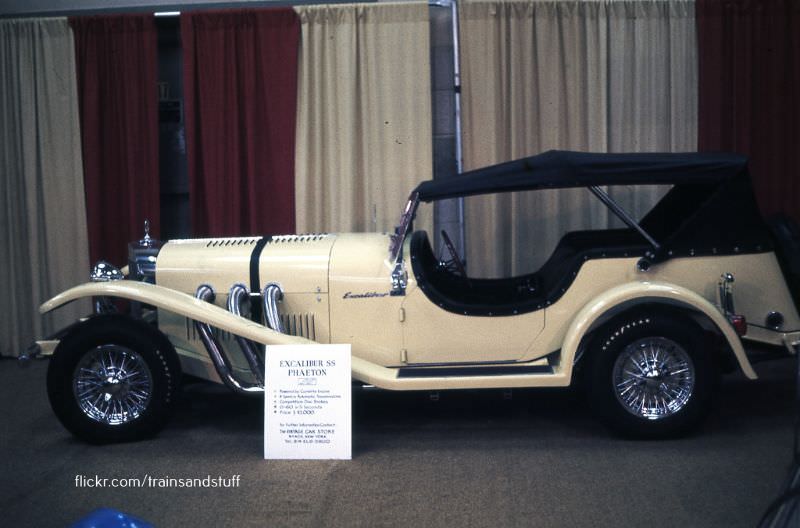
[[255, 281]]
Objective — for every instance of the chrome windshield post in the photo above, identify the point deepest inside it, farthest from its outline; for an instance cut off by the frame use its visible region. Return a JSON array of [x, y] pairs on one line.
[[401, 230], [399, 275]]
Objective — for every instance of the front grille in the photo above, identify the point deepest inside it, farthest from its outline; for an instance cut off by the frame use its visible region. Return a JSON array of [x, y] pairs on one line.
[[301, 325]]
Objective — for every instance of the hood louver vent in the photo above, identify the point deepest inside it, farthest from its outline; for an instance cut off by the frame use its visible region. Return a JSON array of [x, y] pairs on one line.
[[225, 242], [278, 239], [301, 325], [311, 237]]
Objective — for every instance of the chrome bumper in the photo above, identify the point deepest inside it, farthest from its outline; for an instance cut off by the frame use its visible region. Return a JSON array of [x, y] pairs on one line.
[[34, 351], [44, 348], [38, 350]]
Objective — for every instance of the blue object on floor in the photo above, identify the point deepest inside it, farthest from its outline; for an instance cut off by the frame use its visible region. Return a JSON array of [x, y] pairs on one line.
[[108, 518]]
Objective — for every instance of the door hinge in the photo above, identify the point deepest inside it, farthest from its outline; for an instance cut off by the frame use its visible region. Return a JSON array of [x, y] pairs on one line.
[[402, 314], [399, 279], [403, 355]]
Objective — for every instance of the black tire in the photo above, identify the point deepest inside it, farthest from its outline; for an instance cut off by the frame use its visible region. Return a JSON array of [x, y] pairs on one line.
[[128, 399], [624, 382]]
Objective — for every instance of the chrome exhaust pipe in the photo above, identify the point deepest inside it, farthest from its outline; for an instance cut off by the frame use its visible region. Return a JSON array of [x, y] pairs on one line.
[[217, 354], [238, 294], [270, 296]]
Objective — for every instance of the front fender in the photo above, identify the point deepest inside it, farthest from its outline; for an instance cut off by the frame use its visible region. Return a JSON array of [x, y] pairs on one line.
[[631, 294], [179, 303]]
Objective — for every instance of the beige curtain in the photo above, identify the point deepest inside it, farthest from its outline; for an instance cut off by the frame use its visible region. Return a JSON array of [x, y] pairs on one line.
[[364, 114], [616, 76], [43, 239]]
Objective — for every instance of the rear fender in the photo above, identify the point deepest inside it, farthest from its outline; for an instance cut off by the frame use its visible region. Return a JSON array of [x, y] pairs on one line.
[[626, 296]]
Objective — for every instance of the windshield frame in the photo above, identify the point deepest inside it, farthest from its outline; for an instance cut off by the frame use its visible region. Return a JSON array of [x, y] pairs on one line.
[[401, 229]]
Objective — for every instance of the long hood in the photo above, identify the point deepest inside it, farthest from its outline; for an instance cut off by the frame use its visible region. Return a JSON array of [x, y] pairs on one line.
[[298, 263]]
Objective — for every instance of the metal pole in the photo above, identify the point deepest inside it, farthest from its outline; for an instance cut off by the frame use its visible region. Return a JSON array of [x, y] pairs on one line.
[[622, 214], [462, 238]]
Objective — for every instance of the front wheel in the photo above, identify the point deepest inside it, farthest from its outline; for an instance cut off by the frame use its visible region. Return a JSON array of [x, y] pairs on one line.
[[113, 379], [650, 377]]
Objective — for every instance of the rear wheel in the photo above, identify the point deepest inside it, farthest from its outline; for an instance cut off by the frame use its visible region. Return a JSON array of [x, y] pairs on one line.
[[650, 377], [113, 379]]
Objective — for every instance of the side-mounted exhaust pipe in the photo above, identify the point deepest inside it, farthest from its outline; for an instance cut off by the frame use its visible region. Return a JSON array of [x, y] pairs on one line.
[[270, 296], [217, 354], [238, 294]]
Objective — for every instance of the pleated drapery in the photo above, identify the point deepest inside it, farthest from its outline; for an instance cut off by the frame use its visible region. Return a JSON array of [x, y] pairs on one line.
[[43, 239], [240, 88], [593, 76], [116, 64], [749, 83], [364, 115]]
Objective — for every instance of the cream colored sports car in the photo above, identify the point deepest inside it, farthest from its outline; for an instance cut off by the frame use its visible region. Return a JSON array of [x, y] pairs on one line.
[[646, 315]]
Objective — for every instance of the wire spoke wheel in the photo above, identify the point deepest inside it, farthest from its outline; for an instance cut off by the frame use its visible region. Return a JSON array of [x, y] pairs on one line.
[[113, 379], [112, 384], [653, 378]]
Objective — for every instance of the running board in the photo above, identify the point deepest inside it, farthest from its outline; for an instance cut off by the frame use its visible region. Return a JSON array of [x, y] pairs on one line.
[[540, 373], [460, 372]]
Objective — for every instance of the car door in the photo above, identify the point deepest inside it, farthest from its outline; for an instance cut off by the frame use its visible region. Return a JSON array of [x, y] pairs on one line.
[[432, 334]]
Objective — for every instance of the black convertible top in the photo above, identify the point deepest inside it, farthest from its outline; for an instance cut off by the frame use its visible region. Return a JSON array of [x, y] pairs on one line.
[[560, 169], [710, 210]]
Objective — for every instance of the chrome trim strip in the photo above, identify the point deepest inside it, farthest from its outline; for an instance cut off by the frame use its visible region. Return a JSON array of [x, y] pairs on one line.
[[453, 372], [770, 329], [502, 362]]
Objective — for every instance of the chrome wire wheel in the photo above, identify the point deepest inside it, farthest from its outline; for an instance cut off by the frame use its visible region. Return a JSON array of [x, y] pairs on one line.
[[654, 377], [112, 384]]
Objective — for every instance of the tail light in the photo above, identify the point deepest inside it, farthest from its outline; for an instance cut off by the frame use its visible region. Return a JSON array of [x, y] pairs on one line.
[[739, 324]]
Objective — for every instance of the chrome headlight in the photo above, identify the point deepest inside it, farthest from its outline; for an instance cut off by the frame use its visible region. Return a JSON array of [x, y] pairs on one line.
[[105, 272]]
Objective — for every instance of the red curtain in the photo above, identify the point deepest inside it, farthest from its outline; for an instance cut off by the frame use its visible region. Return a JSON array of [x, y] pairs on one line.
[[240, 88], [117, 62], [749, 91]]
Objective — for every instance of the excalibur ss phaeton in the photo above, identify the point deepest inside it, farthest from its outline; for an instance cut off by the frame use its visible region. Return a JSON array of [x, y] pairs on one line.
[[645, 313]]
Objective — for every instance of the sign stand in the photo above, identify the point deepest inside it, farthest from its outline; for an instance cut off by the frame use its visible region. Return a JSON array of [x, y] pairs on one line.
[[307, 407]]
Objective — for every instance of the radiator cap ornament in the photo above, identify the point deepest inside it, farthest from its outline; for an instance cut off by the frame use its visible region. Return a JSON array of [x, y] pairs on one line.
[[142, 256]]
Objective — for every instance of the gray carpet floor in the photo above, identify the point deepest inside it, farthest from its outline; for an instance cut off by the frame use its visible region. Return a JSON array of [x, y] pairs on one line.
[[469, 459]]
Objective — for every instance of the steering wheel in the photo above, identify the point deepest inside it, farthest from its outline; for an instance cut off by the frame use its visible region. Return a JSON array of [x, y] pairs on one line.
[[454, 262]]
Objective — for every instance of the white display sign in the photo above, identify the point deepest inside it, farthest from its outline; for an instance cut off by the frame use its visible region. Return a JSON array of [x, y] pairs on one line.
[[307, 410]]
